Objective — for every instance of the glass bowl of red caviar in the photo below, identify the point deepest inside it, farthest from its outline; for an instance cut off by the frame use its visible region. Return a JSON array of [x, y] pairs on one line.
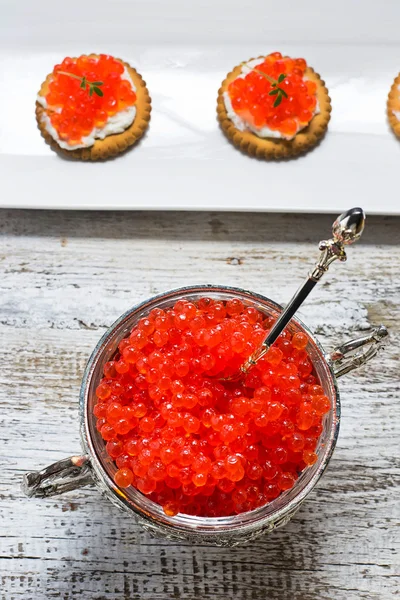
[[235, 522]]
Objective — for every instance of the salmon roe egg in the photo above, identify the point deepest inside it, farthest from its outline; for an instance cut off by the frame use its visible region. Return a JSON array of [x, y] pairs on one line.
[[75, 109], [299, 341], [123, 478], [192, 441], [253, 95]]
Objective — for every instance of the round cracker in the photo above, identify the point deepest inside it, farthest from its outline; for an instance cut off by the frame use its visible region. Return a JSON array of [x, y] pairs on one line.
[[393, 103], [277, 148], [114, 144]]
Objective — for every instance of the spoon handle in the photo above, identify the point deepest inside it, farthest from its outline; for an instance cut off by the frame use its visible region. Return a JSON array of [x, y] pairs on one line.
[[346, 230], [289, 311], [331, 250]]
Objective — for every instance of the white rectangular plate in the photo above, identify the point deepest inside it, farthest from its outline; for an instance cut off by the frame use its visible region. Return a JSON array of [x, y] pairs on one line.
[[184, 50]]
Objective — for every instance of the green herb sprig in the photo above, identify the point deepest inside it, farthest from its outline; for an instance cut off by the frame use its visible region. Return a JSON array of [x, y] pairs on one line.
[[276, 90], [93, 86]]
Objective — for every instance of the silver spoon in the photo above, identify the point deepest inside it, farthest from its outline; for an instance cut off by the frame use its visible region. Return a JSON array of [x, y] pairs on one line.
[[346, 230]]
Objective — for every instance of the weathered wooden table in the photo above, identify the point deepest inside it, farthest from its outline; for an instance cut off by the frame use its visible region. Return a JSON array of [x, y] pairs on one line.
[[65, 277]]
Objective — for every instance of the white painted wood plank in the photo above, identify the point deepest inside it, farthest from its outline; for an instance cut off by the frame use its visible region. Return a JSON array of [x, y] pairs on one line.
[[67, 276]]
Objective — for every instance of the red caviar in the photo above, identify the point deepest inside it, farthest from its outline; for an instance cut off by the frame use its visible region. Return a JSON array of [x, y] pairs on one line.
[[193, 443], [72, 110], [251, 99]]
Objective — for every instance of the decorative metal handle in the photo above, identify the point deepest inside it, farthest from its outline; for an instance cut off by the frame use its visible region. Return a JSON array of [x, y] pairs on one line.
[[346, 230], [345, 358], [62, 476]]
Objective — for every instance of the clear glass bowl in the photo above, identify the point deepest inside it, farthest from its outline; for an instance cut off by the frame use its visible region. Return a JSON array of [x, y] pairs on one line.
[[94, 465]]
